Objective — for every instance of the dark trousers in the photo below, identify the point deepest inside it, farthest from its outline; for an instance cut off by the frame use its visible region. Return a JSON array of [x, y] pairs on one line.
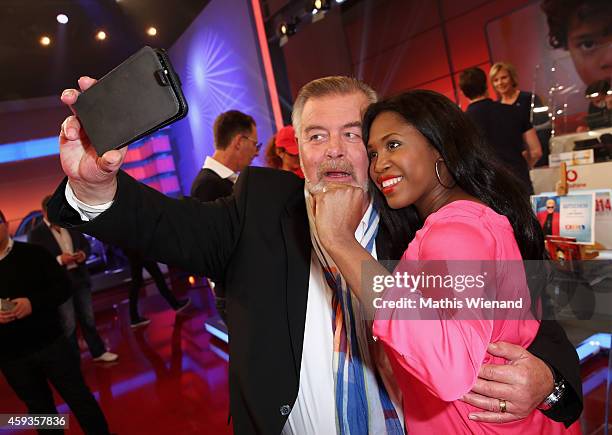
[[136, 266], [79, 307], [30, 376]]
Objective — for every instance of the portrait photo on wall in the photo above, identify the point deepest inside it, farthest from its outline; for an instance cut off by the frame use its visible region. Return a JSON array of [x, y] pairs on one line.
[[566, 216]]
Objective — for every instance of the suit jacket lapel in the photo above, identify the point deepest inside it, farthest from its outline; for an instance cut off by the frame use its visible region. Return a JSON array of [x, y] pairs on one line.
[[294, 223], [51, 240]]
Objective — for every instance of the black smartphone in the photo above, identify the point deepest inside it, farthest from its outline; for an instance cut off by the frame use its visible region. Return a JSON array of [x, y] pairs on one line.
[[138, 97]]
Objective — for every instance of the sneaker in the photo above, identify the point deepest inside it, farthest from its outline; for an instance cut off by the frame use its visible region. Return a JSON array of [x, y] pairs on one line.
[[183, 303], [141, 321], [107, 357]]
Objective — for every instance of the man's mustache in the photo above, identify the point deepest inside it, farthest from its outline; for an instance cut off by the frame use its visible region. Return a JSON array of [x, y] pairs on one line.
[[336, 165]]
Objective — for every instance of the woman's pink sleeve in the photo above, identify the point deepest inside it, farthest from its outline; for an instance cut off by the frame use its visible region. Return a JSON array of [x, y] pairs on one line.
[[444, 354]]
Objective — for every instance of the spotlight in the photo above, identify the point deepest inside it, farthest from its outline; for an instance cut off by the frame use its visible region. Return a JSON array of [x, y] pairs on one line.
[[151, 31], [62, 19], [317, 6], [101, 35], [45, 40], [287, 28]]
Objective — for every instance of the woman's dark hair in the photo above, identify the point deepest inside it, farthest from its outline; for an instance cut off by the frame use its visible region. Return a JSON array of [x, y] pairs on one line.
[[470, 161]]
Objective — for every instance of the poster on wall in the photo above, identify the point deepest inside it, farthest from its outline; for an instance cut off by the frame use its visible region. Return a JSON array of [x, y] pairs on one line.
[[566, 216], [603, 217], [559, 50]]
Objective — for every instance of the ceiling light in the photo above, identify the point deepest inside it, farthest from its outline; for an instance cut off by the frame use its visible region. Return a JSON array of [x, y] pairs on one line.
[[45, 40], [101, 35], [317, 6], [151, 31], [62, 19], [288, 28]]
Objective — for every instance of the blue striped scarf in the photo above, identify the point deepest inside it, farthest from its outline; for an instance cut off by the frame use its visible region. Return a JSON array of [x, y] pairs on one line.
[[363, 405]]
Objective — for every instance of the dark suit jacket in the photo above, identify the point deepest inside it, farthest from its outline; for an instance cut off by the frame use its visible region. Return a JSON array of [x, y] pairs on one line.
[[257, 243], [41, 235], [208, 186]]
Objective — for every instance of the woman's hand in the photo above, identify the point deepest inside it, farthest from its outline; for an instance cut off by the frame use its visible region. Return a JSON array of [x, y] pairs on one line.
[[338, 209]]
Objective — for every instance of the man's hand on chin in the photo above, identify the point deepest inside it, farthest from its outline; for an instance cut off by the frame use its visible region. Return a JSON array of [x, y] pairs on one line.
[[522, 384]]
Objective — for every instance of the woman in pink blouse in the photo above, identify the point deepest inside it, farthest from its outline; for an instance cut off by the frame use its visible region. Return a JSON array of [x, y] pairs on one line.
[[427, 159]]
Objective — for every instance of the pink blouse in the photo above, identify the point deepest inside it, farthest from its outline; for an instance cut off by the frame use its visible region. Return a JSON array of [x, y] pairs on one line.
[[436, 362]]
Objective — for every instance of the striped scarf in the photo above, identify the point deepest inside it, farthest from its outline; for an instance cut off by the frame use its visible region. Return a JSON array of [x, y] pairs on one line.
[[363, 405]]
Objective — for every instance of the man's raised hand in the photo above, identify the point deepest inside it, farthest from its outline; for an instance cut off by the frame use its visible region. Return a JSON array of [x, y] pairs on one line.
[[93, 179]]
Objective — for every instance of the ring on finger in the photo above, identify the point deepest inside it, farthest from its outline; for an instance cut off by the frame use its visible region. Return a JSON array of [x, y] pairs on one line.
[[502, 406]]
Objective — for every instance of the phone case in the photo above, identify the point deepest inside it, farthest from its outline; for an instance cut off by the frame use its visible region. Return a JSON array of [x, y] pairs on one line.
[[138, 97]]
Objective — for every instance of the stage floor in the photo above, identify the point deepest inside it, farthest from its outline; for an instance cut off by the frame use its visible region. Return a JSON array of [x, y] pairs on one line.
[[171, 377]]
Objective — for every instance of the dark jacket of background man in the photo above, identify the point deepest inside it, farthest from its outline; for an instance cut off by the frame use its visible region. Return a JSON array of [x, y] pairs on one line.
[[208, 186]]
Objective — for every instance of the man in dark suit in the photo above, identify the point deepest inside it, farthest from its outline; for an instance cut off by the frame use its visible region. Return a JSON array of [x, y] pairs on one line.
[[71, 249], [258, 243], [236, 145]]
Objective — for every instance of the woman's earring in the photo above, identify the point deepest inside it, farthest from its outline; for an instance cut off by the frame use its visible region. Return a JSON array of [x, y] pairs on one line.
[[438, 175]]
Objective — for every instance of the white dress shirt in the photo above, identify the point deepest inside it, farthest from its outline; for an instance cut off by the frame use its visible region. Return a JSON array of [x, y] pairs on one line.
[[314, 411], [220, 169]]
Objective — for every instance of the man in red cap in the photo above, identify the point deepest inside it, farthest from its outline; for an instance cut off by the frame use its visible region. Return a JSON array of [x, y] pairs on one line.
[[287, 150]]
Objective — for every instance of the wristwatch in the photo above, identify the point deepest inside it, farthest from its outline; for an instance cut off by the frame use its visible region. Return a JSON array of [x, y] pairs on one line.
[[556, 396]]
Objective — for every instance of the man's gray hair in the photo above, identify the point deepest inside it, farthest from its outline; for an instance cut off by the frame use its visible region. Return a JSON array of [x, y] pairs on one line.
[[332, 85]]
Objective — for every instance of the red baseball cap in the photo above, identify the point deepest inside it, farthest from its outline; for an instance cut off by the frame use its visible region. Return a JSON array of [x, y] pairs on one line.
[[285, 138]]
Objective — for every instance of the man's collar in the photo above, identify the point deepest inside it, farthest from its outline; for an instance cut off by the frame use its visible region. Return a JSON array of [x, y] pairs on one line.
[[480, 100], [219, 168]]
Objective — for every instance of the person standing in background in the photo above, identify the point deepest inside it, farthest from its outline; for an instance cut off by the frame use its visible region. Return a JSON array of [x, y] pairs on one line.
[[272, 158], [71, 249], [236, 145], [35, 352], [504, 127], [288, 150], [504, 80], [137, 263]]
